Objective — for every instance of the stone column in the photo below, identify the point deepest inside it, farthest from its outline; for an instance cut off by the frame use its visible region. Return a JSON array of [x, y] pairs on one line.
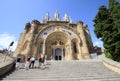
[[31, 38], [44, 47], [62, 53], [79, 51], [85, 50], [19, 45], [71, 52], [36, 54], [53, 53]]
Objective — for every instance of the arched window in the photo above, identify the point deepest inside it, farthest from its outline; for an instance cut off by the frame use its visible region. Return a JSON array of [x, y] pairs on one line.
[[74, 47], [41, 48]]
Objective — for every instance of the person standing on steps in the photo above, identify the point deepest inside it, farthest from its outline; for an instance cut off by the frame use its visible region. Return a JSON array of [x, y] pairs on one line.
[[45, 58], [42, 62], [39, 62], [27, 63], [32, 61], [17, 64]]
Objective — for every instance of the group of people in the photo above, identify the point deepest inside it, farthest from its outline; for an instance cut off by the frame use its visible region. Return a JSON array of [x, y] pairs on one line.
[[30, 62]]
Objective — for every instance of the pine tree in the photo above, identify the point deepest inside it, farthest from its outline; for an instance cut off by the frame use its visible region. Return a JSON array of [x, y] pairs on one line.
[[107, 27], [114, 8]]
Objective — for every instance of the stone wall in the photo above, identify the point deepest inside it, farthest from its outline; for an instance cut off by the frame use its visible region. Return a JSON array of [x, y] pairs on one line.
[[7, 65], [112, 65]]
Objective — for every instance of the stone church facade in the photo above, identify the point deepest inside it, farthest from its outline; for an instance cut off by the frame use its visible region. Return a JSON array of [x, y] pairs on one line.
[[58, 39]]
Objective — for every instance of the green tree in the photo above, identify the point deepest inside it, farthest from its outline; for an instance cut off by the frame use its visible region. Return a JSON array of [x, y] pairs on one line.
[[107, 27]]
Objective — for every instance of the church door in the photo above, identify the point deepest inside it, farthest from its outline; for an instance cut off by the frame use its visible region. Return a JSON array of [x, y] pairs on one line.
[[58, 54]]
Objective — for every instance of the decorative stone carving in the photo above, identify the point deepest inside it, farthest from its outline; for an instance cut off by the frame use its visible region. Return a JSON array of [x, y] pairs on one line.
[[56, 16], [47, 17], [85, 26], [70, 19], [28, 25], [65, 18], [43, 20], [35, 22]]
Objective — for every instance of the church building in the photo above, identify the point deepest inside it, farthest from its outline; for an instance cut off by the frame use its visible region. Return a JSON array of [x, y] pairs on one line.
[[59, 39]]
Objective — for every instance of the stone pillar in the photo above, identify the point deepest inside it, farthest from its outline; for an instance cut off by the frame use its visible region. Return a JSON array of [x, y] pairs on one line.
[[43, 47], [62, 54], [36, 53], [53, 53], [85, 50], [66, 52], [70, 52], [21, 41], [79, 51], [19, 45], [31, 38]]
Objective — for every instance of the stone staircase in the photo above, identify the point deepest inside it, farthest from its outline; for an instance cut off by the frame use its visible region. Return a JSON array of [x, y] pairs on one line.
[[74, 70]]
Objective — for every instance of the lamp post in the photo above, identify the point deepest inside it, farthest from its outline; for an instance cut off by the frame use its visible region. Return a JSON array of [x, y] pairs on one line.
[[11, 44]]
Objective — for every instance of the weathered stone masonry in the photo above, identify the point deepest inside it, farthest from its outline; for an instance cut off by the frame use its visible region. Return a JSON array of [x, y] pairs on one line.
[[58, 39]]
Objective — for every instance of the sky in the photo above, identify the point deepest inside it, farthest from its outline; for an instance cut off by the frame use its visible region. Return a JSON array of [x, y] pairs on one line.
[[14, 14]]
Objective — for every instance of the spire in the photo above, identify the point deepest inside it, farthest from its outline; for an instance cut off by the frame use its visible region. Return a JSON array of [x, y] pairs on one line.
[[56, 16], [65, 18]]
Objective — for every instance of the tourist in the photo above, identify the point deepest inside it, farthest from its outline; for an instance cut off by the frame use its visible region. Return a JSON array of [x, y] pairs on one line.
[[17, 64], [27, 63], [45, 59], [39, 62], [32, 61], [51, 58]]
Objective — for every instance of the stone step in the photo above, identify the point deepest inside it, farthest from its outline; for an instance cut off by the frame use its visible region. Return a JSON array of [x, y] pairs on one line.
[[54, 80], [84, 70], [66, 79]]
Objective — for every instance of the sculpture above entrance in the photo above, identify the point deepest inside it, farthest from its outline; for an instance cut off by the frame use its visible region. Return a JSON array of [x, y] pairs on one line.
[[52, 29]]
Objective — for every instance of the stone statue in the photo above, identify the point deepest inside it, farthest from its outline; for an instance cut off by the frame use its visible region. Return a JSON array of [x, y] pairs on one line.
[[65, 18], [47, 17], [70, 19], [35, 22], [56, 16], [43, 20]]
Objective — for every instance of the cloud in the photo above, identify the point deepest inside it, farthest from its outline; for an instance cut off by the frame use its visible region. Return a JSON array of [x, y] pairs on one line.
[[6, 39], [98, 43]]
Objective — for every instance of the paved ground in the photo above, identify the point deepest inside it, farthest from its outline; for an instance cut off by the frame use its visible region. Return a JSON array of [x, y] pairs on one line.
[[75, 70]]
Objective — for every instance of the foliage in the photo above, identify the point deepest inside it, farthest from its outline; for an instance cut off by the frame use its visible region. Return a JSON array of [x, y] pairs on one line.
[[107, 28], [107, 54]]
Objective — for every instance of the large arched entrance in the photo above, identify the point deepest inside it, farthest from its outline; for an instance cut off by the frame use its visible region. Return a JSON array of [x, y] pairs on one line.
[[55, 45]]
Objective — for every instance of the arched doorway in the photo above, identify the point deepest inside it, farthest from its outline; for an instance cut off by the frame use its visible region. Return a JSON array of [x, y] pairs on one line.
[[55, 42], [58, 54]]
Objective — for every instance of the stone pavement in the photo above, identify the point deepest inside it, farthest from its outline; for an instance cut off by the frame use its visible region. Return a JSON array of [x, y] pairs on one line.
[[74, 70]]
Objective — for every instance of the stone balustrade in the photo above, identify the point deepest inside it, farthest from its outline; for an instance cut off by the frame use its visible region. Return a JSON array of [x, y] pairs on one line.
[[112, 65], [7, 65]]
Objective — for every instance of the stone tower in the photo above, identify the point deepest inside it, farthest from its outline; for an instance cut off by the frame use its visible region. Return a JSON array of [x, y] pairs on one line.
[[58, 39]]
